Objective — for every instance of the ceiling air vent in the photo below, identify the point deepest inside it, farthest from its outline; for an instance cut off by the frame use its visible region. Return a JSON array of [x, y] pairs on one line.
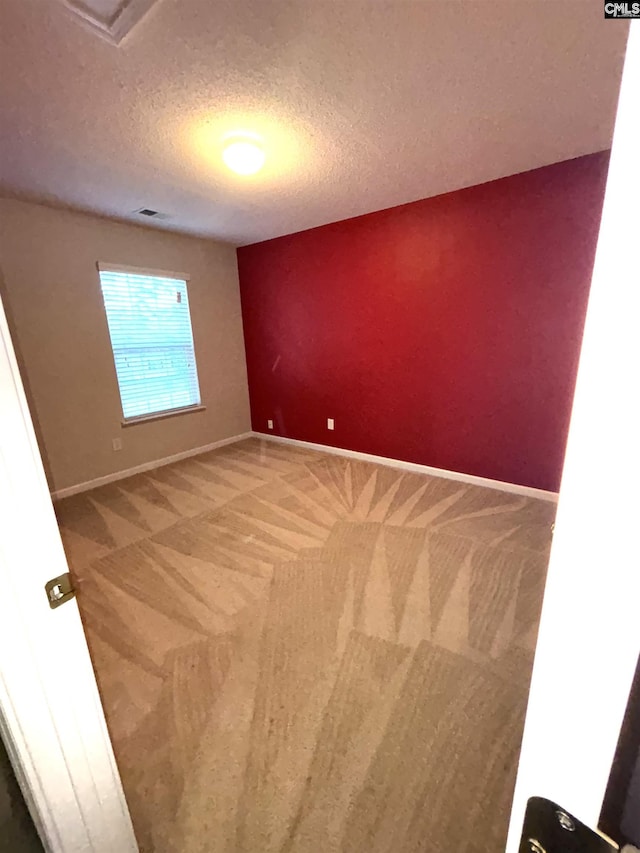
[[148, 213]]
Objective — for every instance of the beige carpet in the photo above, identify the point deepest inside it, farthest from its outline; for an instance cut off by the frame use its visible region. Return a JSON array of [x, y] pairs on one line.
[[306, 654]]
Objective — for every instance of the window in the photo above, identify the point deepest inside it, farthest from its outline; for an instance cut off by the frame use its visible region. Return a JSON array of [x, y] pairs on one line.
[[151, 338]]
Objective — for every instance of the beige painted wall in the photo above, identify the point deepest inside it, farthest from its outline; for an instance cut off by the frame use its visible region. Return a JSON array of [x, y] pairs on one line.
[[52, 296]]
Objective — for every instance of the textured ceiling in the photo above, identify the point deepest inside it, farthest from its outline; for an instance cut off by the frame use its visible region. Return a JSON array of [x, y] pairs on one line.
[[362, 104]]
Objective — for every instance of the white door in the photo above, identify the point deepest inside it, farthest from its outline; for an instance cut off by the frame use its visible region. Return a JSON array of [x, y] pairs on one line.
[[589, 637], [50, 711]]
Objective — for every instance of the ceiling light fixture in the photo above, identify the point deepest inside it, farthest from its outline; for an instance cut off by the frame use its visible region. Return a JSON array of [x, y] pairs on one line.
[[244, 157]]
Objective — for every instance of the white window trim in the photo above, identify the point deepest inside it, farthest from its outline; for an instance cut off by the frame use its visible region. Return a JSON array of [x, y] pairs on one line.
[[158, 416], [104, 266], [133, 270]]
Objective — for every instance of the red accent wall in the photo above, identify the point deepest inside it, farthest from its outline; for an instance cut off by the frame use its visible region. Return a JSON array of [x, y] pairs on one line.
[[446, 331]]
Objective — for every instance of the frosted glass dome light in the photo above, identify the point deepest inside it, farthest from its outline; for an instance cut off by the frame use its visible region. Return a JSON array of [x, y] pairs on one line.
[[243, 157]]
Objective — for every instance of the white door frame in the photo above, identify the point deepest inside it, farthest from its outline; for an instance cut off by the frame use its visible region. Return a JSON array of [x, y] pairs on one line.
[[589, 636], [50, 712]]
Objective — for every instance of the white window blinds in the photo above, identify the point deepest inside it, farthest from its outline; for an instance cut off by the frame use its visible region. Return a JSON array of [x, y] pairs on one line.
[[151, 338]]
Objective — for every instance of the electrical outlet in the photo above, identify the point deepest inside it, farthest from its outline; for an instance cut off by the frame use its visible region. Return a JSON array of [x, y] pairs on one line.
[[116, 443], [270, 424], [330, 423]]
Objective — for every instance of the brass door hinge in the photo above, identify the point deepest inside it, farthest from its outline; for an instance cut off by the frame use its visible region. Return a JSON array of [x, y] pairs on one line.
[[59, 590], [548, 828]]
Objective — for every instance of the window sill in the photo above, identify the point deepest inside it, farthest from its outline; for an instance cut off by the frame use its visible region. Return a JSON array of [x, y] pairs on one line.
[[158, 416]]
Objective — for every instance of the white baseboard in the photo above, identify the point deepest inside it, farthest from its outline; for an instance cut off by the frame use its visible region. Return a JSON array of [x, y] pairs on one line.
[[146, 466], [514, 488]]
